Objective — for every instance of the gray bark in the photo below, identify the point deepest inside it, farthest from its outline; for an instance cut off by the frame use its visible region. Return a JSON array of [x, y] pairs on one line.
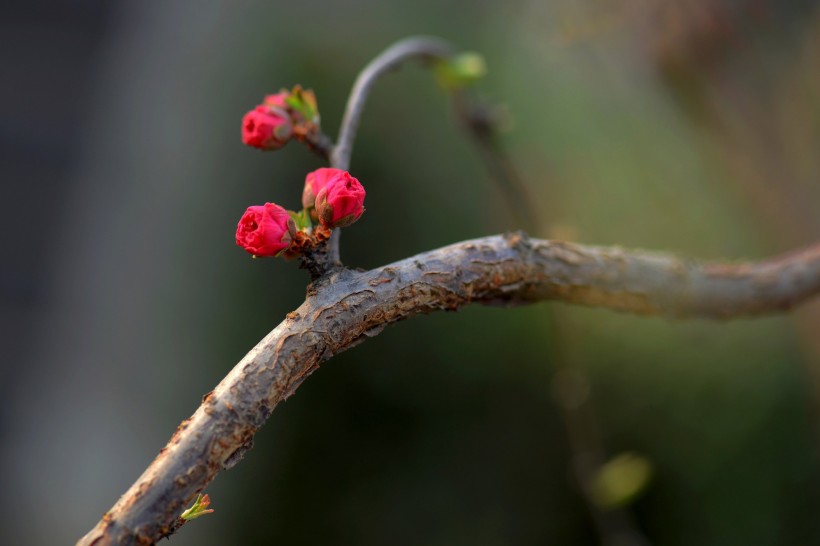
[[347, 307]]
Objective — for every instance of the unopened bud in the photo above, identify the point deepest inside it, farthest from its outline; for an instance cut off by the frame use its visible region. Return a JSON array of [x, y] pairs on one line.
[[265, 230], [341, 201], [461, 70], [266, 127]]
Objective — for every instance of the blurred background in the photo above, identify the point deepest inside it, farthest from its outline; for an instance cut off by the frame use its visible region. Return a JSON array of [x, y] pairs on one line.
[[690, 127]]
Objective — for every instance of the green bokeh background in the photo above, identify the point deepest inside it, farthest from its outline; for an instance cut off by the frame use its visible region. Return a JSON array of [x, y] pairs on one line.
[[443, 430]]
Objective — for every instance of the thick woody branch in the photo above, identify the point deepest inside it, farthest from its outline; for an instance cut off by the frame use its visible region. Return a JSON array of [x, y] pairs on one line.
[[348, 307]]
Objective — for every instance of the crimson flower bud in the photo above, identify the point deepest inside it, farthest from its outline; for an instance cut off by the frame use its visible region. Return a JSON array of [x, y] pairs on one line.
[[341, 201], [314, 182], [267, 127], [277, 100], [265, 230]]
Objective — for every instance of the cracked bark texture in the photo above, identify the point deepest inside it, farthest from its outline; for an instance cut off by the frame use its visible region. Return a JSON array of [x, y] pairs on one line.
[[347, 307]]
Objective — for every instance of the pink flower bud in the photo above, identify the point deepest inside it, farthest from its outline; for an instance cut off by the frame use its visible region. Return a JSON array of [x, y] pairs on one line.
[[277, 100], [266, 127], [314, 182], [340, 202], [265, 230]]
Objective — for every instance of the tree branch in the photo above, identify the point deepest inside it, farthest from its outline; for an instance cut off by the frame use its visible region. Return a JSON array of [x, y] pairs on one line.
[[320, 144], [417, 47], [348, 307]]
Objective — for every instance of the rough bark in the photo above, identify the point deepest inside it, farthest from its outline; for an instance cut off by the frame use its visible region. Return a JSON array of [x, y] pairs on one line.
[[347, 307]]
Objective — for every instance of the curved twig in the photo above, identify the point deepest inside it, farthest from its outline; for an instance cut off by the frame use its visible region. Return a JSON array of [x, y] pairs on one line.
[[320, 144], [419, 47], [347, 308]]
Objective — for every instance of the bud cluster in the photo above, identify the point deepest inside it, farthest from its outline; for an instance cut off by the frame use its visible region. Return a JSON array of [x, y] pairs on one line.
[[331, 198], [280, 118]]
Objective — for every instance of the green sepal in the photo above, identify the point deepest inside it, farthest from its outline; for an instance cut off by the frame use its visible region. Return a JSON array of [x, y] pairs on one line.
[[301, 219], [303, 101]]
